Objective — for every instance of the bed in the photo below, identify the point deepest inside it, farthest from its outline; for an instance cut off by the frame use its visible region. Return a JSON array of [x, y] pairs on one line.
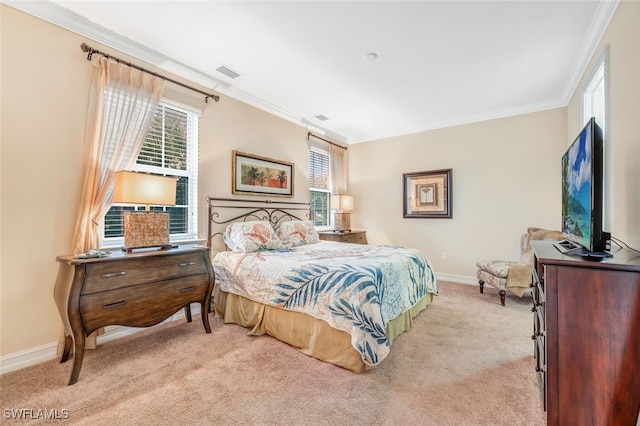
[[341, 303]]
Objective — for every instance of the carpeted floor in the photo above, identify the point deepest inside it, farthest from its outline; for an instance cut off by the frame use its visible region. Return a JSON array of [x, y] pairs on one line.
[[467, 361]]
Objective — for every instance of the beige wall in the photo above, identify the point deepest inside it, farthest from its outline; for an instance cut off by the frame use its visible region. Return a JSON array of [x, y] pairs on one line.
[[45, 87], [506, 176], [45, 81], [505, 172], [622, 143]]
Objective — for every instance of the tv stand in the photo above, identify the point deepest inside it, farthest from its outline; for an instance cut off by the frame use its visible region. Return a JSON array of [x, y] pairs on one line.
[[569, 248], [586, 324]]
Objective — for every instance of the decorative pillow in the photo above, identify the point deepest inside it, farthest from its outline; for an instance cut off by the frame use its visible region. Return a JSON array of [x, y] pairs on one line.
[[296, 233], [251, 236]]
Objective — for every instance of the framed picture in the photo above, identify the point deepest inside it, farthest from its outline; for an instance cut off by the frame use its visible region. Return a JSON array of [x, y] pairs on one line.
[[427, 194], [255, 175]]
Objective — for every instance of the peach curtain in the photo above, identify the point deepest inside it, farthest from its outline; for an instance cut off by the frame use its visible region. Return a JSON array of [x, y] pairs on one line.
[[338, 169], [121, 106], [336, 162]]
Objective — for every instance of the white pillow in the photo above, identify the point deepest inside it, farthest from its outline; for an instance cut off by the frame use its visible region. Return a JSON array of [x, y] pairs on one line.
[[295, 233], [251, 236]]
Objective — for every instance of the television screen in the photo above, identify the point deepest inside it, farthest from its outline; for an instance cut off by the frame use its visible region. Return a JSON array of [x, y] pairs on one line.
[[582, 189]]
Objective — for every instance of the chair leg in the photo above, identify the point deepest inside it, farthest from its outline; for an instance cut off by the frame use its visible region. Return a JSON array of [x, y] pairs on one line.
[[481, 286], [502, 296]]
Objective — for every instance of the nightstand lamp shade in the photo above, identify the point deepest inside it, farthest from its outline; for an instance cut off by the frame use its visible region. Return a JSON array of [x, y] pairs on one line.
[[342, 204], [145, 229]]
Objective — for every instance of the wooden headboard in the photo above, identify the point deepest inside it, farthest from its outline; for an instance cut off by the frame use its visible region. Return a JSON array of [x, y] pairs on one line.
[[223, 211]]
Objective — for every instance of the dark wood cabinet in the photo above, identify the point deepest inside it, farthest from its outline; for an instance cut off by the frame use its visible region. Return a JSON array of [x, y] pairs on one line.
[[135, 290], [355, 237], [586, 332]]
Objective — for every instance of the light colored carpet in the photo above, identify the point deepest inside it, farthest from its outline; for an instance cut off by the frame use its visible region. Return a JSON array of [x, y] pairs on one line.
[[467, 361]]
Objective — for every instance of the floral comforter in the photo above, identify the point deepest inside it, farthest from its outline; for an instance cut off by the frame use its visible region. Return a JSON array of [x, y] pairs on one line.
[[355, 288]]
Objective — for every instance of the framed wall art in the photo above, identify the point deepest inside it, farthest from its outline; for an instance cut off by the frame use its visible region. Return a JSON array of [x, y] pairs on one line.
[[427, 194], [255, 175]]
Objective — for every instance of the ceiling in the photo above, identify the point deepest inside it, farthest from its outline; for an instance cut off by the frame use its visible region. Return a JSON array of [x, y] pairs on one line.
[[439, 63]]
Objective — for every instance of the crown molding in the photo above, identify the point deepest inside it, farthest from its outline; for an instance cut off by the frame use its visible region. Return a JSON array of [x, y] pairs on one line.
[[475, 118], [599, 23], [71, 21], [57, 15]]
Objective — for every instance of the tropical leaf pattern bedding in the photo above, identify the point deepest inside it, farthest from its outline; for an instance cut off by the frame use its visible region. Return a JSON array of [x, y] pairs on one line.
[[355, 288]]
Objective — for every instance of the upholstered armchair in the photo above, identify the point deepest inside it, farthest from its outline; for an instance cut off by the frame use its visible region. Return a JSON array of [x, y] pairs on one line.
[[514, 276]]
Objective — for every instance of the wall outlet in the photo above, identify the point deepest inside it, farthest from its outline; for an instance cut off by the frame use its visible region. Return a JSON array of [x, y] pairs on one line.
[[444, 255]]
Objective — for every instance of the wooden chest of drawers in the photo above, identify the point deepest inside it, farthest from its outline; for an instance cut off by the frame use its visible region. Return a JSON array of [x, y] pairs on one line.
[[356, 237], [135, 290], [586, 321]]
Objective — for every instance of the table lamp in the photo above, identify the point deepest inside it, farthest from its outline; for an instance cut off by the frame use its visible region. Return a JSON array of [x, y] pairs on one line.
[[145, 229], [342, 204]]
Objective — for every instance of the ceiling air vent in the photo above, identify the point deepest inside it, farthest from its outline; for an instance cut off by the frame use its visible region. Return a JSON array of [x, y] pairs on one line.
[[322, 117], [227, 71]]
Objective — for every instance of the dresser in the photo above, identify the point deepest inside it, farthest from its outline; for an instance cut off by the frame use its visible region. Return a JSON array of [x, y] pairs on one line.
[[137, 289], [586, 333], [356, 237]]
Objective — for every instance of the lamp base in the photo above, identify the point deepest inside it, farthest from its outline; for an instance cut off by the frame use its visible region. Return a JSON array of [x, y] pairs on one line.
[[146, 230], [342, 222], [131, 249]]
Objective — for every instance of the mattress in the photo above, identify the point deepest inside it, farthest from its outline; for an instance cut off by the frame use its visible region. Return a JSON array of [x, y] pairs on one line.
[[342, 303]]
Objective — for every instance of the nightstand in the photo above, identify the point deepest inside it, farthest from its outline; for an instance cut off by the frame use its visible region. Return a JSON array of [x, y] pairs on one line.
[[138, 289], [355, 237]]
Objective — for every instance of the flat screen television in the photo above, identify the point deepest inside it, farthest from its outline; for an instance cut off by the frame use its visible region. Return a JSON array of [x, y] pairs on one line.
[[582, 196]]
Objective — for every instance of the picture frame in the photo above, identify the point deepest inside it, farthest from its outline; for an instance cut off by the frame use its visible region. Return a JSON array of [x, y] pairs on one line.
[[256, 175], [427, 194]]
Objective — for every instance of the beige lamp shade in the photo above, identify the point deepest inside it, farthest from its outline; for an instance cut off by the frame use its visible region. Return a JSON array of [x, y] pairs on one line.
[[143, 188], [145, 229], [342, 202]]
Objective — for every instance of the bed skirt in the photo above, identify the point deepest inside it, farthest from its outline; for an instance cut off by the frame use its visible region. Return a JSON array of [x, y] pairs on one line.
[[310, 335]]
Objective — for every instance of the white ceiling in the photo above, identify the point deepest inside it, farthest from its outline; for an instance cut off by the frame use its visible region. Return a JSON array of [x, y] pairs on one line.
[[440, 63]]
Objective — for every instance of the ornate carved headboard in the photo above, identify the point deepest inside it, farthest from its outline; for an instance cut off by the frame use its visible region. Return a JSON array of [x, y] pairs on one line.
[[223, 211]]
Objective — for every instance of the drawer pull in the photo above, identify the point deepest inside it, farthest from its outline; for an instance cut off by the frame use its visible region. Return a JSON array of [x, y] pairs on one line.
[[114, 304], [538, 334], [187, 263], [113, 274], [186, 289]]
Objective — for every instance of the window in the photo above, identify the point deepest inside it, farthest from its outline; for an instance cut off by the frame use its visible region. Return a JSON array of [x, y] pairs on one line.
[[595, 103], [594, 93], [319, 187], [170, 148]]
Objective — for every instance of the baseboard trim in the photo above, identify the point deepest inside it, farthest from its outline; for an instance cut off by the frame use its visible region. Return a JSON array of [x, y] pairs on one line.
[[33, 356], [459, 279], [47, 352]]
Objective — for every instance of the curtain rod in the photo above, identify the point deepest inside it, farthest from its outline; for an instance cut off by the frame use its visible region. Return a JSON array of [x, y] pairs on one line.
[[327, 141], [86, 48]]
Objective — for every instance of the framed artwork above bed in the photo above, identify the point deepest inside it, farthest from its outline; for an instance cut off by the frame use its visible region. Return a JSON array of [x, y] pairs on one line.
[[427, 194], [255, 175]]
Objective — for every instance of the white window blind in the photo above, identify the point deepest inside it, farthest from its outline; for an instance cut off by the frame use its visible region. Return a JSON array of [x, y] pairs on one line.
[[319, 186], [171, 149]]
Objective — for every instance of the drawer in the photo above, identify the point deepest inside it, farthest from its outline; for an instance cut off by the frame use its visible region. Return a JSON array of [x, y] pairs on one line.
[[542, 384], [122, 273], [539, 353], [330, 237], [538, 322], [359, 238], [538, 289], [142, 305], [541, 368]]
